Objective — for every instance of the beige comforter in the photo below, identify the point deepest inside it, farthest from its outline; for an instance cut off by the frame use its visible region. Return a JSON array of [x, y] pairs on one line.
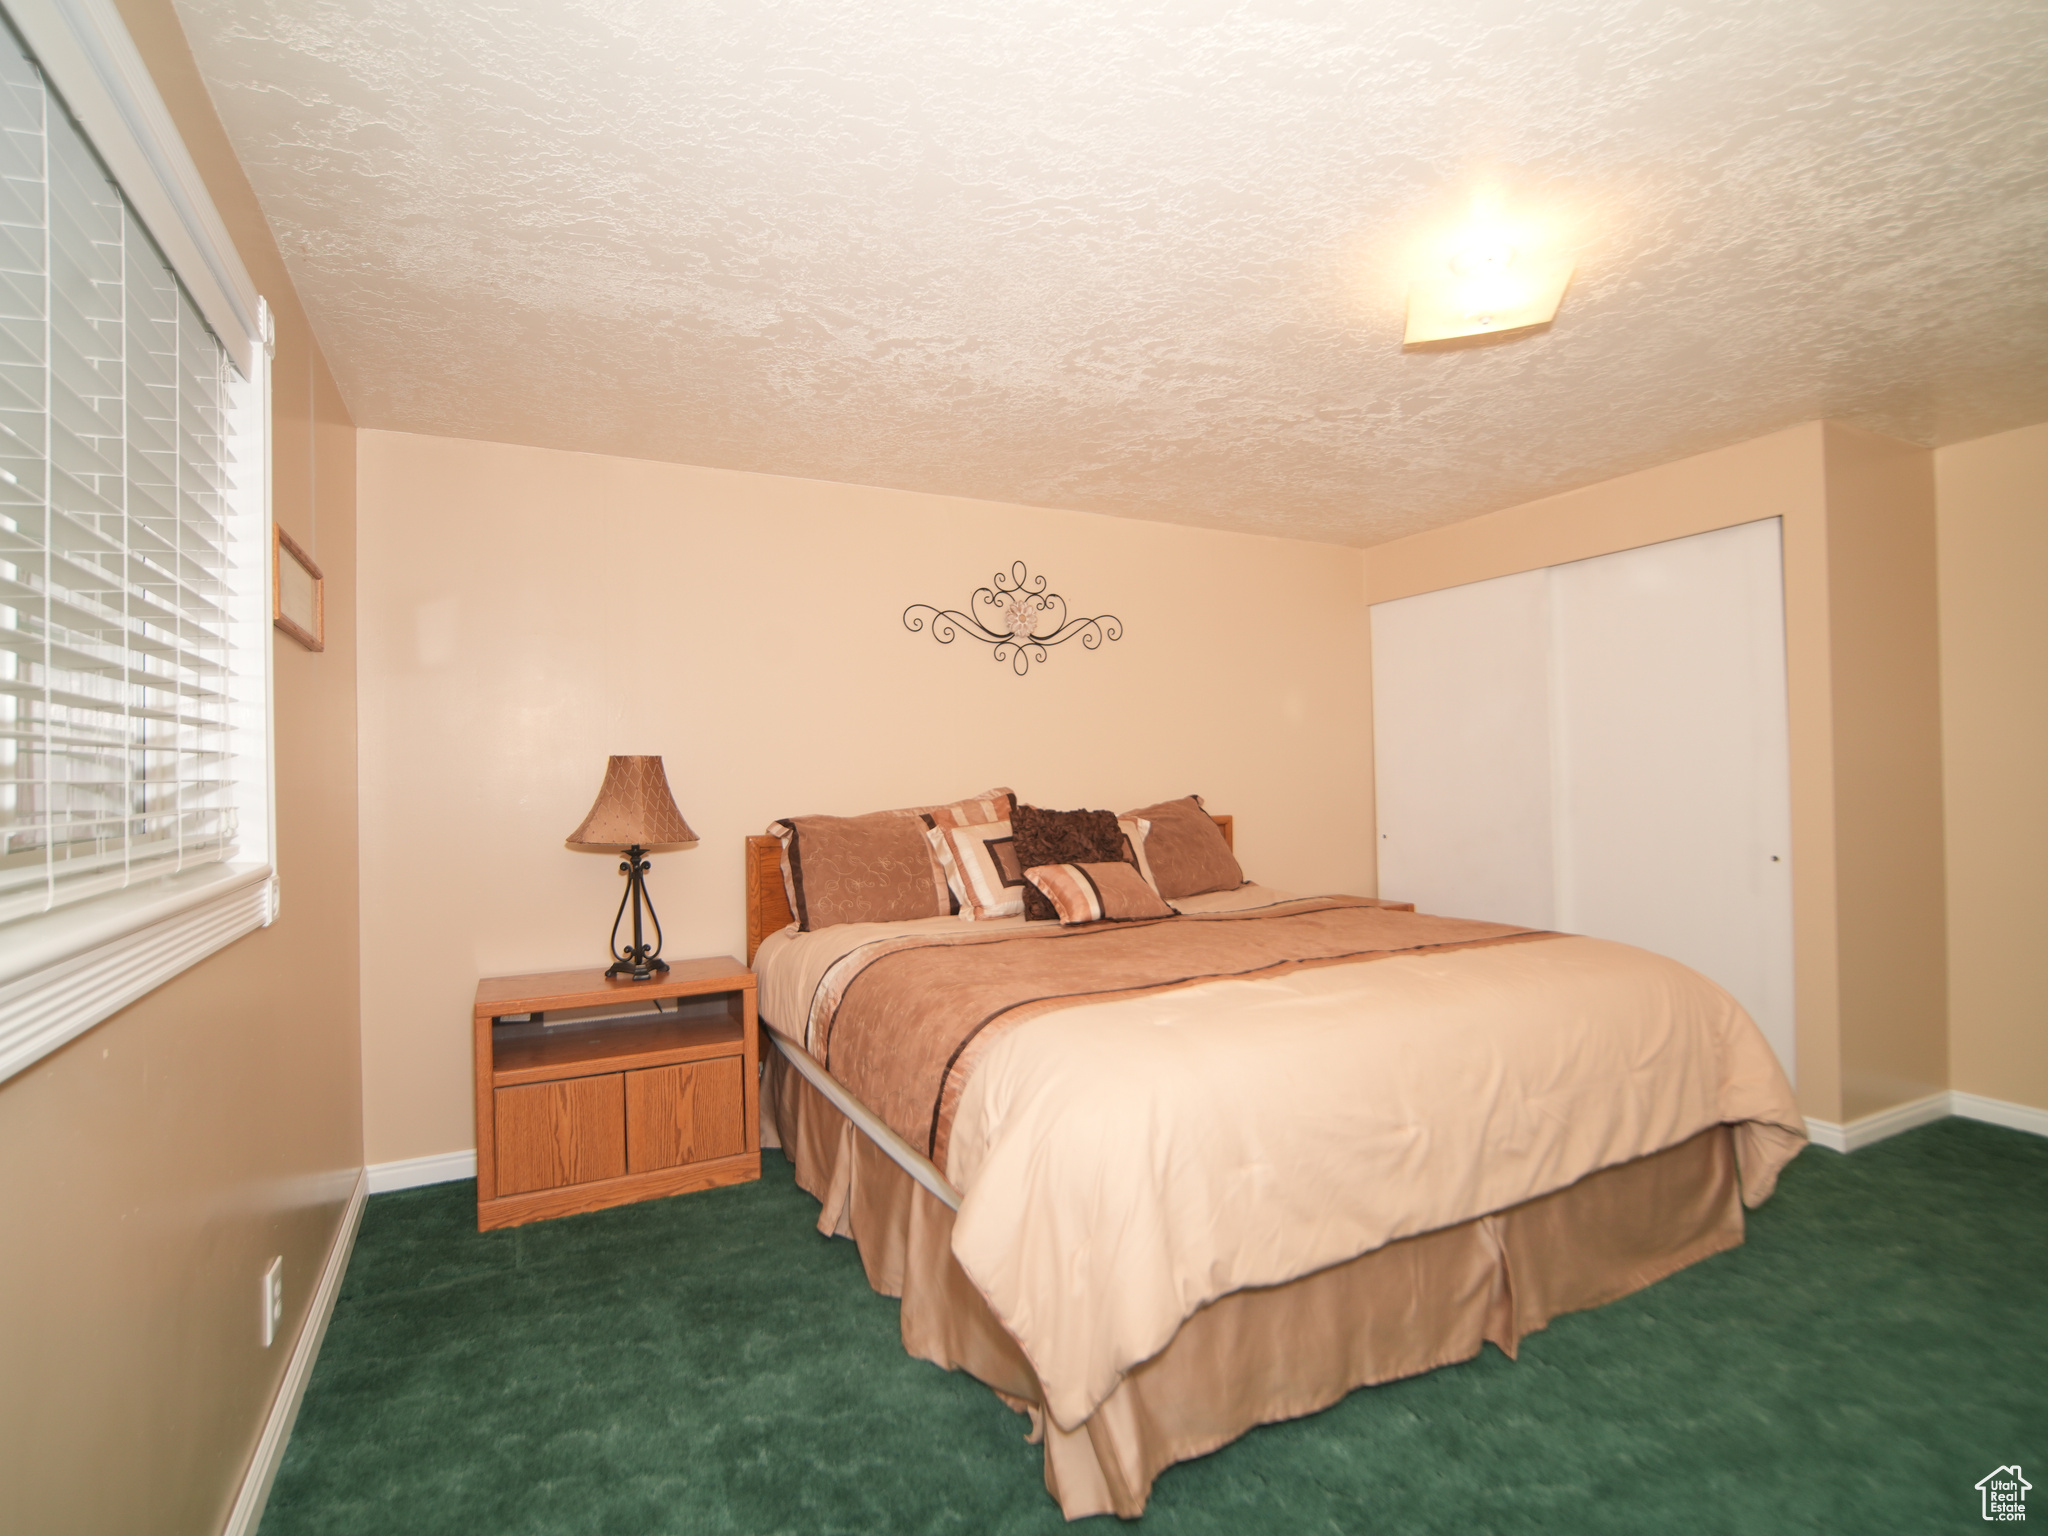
[[1122, 1163]]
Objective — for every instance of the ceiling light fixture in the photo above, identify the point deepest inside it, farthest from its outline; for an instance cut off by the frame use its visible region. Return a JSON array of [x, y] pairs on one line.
[[1485, 285]]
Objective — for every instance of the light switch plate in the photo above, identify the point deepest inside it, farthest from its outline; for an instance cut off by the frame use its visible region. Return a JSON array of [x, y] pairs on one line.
[[273, 1299]]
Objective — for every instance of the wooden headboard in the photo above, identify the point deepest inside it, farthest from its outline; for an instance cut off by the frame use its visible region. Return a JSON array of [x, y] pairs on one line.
[[768, 903]]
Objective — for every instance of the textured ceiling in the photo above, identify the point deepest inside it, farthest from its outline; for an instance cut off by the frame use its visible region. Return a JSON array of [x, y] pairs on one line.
[[1150, 259]]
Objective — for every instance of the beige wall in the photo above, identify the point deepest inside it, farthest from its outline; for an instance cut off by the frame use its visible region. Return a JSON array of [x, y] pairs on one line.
[[156, 1163], [1993, 529], [1892, 957], [1859, 600], [526, 612]]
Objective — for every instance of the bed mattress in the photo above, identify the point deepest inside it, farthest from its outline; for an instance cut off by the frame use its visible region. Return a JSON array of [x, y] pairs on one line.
[[1260, 1355], [1139, 1121]]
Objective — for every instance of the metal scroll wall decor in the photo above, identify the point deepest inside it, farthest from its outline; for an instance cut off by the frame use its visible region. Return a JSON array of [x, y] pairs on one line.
[[1018, 617]]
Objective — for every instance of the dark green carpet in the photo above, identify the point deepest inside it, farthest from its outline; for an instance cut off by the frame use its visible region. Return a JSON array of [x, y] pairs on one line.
[[711, 1364]]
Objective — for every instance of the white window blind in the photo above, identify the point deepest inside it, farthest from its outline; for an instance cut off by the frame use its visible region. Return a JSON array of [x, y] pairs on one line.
[[121, 584]]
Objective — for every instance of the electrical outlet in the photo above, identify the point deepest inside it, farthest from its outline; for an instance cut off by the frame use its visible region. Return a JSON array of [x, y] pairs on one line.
[[273, 1300]]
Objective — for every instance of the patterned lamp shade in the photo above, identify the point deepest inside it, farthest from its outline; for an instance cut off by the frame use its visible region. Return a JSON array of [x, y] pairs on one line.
[[634, 809]]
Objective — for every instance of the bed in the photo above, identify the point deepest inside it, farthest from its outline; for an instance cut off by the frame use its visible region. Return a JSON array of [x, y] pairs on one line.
[[1157, 1183]]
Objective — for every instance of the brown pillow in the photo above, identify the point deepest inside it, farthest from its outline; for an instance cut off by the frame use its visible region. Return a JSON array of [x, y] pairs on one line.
[[862, 869], [1097, 893], [876, 868], [1186, 850], [1064, 837]]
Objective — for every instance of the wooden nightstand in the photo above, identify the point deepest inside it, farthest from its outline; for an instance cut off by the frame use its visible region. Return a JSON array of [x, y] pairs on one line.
[[593, 1092]]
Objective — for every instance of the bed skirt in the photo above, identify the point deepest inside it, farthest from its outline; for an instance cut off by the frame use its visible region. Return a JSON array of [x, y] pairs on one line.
[[1277, 1352]]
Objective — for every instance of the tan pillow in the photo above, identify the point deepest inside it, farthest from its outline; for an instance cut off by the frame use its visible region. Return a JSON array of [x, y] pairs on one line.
[[876, 868], [1097, 893], [1184, 850]]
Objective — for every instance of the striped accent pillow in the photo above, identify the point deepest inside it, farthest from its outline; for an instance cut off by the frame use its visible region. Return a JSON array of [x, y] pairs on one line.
[[981, 867], [1097, 893], [1135, 830], [996, 805]]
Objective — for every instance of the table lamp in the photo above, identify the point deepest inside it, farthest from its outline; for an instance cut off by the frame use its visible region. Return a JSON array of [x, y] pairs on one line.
[[634, 812]]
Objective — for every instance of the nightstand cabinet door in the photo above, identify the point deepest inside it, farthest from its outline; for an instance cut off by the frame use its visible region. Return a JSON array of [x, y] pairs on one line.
[[552, 1134], [685, 1114]]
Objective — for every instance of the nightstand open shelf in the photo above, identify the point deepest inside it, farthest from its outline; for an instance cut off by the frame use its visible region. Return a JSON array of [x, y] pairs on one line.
[[539, 1053], [593, 1092]]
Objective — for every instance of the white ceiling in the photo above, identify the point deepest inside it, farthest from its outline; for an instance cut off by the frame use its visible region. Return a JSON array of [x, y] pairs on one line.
[[1150, 259]]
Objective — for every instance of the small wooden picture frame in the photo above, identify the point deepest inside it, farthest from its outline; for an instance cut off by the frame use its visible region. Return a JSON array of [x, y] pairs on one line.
[[298, 592]]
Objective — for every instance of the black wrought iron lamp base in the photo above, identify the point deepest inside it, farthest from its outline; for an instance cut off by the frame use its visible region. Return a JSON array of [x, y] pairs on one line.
[[640, 960]]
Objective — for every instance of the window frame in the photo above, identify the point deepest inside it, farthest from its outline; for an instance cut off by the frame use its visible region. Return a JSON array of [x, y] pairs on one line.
[[64, 970]]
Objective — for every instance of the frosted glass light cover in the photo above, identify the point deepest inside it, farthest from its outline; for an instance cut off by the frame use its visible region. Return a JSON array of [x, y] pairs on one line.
[[1522, 294]]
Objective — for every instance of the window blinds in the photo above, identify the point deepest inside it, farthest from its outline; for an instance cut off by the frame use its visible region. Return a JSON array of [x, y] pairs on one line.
[[117, 574]]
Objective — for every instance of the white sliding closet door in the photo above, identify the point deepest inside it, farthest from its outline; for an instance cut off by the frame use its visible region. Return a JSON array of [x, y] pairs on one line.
[[1673, 808], [1461, 749], [1601, 748]]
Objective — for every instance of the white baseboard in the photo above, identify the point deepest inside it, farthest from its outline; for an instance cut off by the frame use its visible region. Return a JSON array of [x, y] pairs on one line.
[[1858, 1134], [412, 1172], [2017, 1117], [1861, 1133], [1825, 1133], [247, 1512]]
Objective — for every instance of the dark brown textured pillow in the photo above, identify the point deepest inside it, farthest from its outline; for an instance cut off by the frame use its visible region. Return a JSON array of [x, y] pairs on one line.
[[1186, 850], [1063, 837]]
